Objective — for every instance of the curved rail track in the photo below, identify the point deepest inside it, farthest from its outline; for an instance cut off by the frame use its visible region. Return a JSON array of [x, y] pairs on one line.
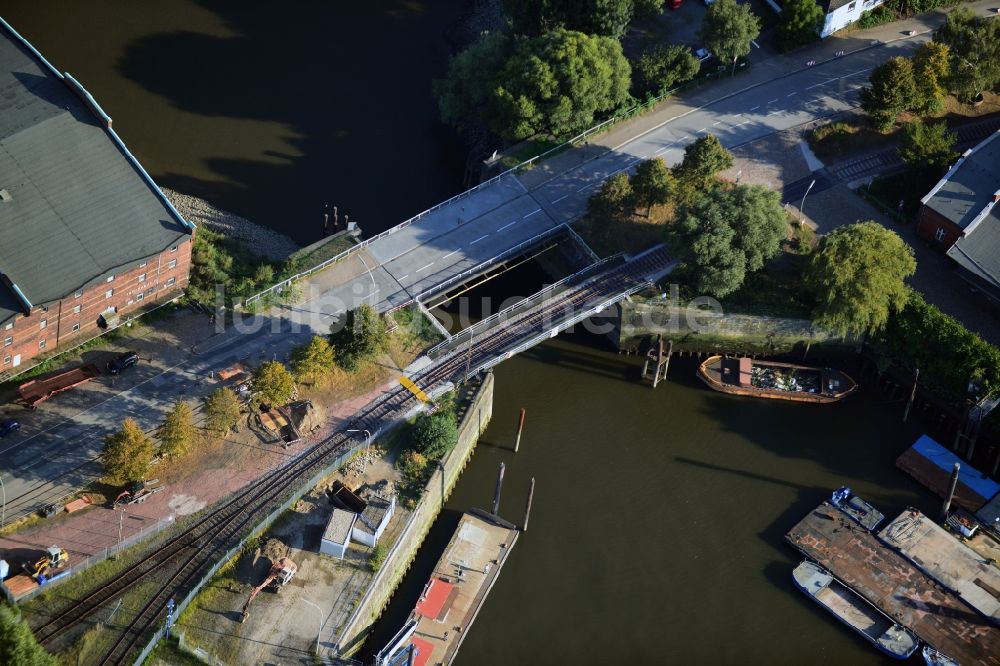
[[178, 562]]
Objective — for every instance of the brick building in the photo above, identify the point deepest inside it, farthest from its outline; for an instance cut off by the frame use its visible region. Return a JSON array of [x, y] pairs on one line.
[[87, 240], [960, 215]]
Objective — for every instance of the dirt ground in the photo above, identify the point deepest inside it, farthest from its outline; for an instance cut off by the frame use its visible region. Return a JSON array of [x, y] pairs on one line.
[[282, 627]]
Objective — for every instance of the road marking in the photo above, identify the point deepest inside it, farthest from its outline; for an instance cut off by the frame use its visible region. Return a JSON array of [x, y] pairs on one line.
[[860, 71], [404, 277], [701, 130], [553, 201], [585, 187], [510, 224], [716, 123], [816, 85], [424, 268], [775, 112], [792, 94], [449, 254], [773, 100], [742, 123], [479, 239], [661, 150], [537, 210], [755, 108]]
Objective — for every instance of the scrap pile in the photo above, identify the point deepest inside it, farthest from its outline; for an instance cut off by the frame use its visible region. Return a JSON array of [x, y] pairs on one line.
[[784, 380]]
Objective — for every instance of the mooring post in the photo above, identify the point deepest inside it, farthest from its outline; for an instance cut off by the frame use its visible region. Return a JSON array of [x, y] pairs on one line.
[[520, 428], [496, 494], [913, 395], [527, 508], [951, 492]]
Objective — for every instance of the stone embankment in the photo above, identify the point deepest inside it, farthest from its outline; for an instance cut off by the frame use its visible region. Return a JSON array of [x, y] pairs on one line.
[[260, 240]]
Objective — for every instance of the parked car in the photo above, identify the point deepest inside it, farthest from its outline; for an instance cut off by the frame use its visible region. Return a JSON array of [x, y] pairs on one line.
[[8, 426], [122, 362], [702, 54]]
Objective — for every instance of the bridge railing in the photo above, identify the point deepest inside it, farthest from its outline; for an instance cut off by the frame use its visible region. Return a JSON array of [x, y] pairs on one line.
[[469, 333]]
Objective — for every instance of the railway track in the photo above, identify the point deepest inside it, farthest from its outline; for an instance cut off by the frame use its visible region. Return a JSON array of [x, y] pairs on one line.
[[181, 560]]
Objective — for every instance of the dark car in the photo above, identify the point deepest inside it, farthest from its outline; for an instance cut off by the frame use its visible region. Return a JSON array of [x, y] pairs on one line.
[[122, 362], [8, 426]]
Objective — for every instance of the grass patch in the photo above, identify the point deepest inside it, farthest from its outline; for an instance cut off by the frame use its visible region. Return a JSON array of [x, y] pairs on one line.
[[838, 139], [526, 150], [632, 235], [887, 192], [299, 261], [774, 291]]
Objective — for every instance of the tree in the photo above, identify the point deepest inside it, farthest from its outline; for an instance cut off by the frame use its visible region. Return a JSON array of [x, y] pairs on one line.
[[974, 48], [127, 454], [222, 410], [893, 90], [703, 159], [857, 276], [177, 430], [273, 383], [727, 234], [595, 17], [652, 183], [313, 359], [555, 83], [362, 336], [17, 643], [930, 71], [927, 149], [801, 21], [412, 464], [663, 67], [727, 30], [434, 435], [614, 201]]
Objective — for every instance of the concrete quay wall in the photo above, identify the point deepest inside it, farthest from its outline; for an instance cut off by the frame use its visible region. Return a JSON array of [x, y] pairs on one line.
[[398, 561]]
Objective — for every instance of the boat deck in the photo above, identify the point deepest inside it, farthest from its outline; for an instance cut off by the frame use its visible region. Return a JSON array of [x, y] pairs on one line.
[[838, 599], [897, 587]]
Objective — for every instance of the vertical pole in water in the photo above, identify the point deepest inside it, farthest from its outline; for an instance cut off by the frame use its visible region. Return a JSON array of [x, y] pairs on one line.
[[951, 492], [520, 428], [913, 395], [496, 493], [527, 508]]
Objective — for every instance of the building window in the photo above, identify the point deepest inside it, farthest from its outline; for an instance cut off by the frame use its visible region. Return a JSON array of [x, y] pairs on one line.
[[111, 278], [77, 308], [6, 360], [9, 326], [76, 327], [41, 344], [43, 323], [142, 277], [171, 281], [173, 249], [44, 308], [139, 296], [78, 294], [8, 341], [939, 234], [142, 264], [109, 293], [172, 264]]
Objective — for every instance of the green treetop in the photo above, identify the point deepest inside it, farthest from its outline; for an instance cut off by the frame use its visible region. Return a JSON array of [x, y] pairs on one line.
[[728, 28], [360, 336], [127, 454]]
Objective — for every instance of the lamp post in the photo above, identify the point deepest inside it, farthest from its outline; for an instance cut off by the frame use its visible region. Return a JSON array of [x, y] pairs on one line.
[[368, 444], [121, 523], [319, 630], [802, 206]]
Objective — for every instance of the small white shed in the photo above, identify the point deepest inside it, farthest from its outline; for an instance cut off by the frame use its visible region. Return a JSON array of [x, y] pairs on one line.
[[338, 533], [373, 520]]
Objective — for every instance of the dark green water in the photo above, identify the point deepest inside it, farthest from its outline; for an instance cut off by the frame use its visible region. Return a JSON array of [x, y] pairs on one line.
[[268, 109], [656, 535]]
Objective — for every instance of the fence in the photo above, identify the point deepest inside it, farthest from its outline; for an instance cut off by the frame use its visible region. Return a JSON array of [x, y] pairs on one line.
[[258, 528], [100, 556]]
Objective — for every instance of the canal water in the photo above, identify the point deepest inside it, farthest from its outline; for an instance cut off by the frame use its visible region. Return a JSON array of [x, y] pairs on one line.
[[656, 533], [657, 527], [270, 110]]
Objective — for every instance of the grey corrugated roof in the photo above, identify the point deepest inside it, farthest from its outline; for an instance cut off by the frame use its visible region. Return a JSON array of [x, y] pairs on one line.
[[969, 186], [338, 530], [80, 209], [979, 250], [10, 305]]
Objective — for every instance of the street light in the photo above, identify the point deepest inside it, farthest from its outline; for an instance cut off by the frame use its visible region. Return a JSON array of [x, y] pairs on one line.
[[320, 629], [368, 444], [802, 206]]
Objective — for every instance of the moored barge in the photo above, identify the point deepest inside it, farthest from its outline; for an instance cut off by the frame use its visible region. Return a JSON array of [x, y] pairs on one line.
[[770, 379]]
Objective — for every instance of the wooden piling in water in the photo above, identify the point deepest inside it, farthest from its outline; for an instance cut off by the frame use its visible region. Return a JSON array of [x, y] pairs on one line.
[[496, 493], [520, 429], [951, 492], [527, 508]]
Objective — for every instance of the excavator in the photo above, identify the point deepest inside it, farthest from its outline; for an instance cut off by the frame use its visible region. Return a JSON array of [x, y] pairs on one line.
[[54, 558], [280, 574]]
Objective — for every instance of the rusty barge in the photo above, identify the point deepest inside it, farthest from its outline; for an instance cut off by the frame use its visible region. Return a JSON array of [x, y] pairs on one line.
[[779, 381]]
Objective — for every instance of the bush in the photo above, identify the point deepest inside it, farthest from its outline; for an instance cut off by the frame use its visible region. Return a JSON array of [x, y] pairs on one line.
[[18, 646], [378, 557], [358, 337], [413, 465], [434, 435], [876, 17], [664, 67]]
